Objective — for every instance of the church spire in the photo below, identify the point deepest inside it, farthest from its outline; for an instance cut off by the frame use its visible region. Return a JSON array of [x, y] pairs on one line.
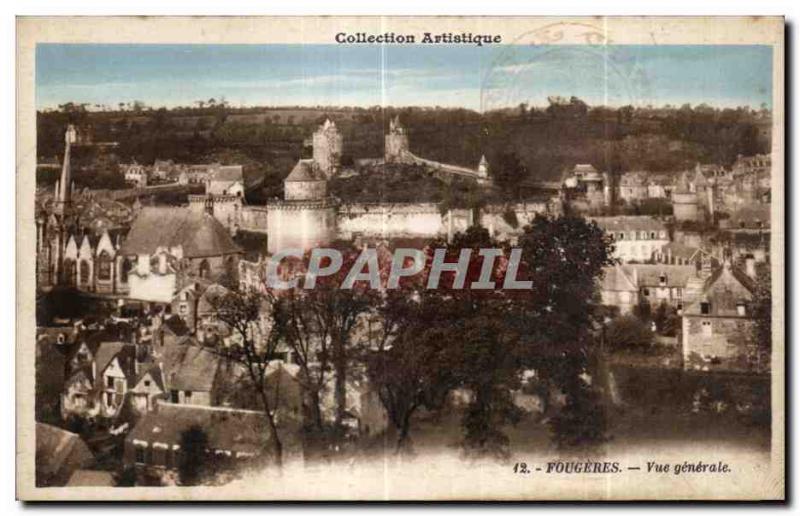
[[64, 191]]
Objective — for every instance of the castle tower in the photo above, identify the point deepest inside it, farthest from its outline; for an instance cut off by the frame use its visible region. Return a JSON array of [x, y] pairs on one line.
[[483, 168], [684, 201], [396, 142], [64, 190], [327, 148], [306, 218]]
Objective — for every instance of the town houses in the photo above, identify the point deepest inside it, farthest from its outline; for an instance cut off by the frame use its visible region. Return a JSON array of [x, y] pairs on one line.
[[148, 362]]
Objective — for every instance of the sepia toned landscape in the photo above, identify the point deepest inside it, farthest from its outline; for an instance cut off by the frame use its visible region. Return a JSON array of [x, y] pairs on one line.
[[552, 280]]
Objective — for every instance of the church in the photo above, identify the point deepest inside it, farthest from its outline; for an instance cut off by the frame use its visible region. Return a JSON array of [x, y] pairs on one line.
[[105, 247]]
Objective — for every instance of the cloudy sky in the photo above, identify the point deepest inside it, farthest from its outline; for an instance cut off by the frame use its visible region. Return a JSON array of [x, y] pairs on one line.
[[401, 75]]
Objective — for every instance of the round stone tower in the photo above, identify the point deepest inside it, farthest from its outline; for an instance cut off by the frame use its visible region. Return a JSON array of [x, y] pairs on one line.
[[306, 218], [327, 148]]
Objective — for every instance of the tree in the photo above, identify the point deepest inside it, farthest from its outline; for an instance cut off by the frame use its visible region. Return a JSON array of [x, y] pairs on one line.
[[510, 170], [193, 465], [564, 256], [318, 325], [762, 315], [250, 317], [629, 333], [478, 327], [409, 357]]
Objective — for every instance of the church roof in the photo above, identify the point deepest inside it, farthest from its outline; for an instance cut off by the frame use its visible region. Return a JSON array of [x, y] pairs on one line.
[[199, 234], [305, 171]]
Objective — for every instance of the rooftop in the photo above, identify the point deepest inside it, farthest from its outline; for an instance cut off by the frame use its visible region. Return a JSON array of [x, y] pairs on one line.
[[199, 234]]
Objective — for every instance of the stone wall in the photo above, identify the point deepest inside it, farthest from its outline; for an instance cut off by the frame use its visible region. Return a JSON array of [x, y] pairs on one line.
[[391, 220]]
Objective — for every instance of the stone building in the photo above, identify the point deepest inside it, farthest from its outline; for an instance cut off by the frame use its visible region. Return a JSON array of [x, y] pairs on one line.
[[307, 216], [167, 247], [636, 238], [717, 327]]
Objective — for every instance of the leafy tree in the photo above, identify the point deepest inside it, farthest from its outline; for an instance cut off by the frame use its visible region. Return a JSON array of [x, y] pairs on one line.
[[762, 314], [478, 326], [409, 357], [564, 256], [628, 333], [667, 320]]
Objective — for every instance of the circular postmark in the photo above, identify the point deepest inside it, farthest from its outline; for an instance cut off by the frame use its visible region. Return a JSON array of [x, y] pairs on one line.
[[560, 62]]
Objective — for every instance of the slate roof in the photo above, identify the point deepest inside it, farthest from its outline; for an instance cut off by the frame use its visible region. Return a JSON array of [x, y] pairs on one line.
[[648, 275], [629, 223], [190, 368], [57, 450], [227, 429], [199, 234], [304, 171], [616, 279], [678, 250]]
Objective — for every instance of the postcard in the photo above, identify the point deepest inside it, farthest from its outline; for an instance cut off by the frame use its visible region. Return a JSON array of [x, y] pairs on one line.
[[400, 258]]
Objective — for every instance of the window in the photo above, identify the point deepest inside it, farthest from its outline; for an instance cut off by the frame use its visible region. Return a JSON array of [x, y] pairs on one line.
[[140, 454], [662, 279], [646, 292], [127, 265], [147, 383], [84, 270], [652, 235], [173, 396], [741, 308], [621, 236], [104, 266], [182, 309], [109, 399], [205, 269], [187, 395], [705, 308], [110, 382]]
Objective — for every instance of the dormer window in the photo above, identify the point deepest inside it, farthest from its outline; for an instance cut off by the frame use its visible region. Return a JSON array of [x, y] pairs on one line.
[[741, 308]]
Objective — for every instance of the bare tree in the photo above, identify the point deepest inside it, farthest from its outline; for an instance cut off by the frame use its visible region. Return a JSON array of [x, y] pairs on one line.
[[248, 314]]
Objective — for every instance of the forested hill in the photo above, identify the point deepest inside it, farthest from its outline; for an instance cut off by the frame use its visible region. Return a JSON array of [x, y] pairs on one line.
[[520, 143]]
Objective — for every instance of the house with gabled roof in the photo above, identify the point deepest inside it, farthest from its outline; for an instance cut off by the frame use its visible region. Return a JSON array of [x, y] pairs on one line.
[[165, 243], [100, 374], [717, 327], [618, 289], [226, 180]]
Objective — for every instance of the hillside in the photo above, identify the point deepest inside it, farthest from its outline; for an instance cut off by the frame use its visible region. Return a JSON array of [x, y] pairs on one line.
[[532, 144]]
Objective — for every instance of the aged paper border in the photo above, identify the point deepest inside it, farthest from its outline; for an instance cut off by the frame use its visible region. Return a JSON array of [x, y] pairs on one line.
[[438, 479]]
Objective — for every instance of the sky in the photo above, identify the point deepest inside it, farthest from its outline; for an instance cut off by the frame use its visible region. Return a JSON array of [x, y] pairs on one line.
[[479, 78]]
